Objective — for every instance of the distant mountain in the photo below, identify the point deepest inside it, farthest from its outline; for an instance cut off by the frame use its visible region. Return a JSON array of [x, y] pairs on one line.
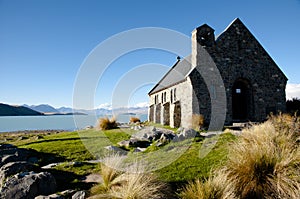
[[64, 110], [8, 110], [43, 108]]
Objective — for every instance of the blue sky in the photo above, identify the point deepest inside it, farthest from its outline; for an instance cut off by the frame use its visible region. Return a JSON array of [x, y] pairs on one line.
[[43, 43]]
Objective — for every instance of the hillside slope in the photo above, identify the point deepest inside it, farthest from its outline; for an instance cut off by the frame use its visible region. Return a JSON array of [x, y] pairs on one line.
[[7, 110]]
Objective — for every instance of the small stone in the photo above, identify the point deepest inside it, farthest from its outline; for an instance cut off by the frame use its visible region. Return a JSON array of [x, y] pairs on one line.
[[79, 195]]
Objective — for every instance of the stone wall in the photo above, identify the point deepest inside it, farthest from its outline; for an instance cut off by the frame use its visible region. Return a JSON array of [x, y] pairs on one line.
[[238, 55], [174, 110]]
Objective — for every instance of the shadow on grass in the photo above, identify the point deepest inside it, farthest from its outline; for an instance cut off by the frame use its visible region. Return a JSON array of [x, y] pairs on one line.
[[60, 139], [69, 180]]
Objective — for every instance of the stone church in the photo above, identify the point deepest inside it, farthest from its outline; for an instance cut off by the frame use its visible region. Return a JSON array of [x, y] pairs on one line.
[[231, 77]]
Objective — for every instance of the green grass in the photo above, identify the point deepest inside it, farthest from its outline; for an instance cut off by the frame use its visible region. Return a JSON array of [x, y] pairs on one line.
[[190, 166], [175, 162]]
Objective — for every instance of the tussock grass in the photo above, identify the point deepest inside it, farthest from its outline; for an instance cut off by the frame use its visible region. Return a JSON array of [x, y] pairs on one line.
[[212, 188], [197, 121], [264, 163], [126, 182], [107, 124], [134, 120]]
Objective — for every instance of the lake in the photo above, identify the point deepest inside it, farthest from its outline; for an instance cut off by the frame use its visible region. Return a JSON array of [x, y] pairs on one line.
[[55, 122]]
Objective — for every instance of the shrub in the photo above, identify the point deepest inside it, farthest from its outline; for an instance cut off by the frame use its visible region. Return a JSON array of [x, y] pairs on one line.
[[134, 120], [213, 188], [264, 163], [293, 106], [197, 121], [106, 123]]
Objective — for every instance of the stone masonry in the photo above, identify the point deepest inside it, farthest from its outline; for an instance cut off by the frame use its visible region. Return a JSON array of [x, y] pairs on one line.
[[254, 85]]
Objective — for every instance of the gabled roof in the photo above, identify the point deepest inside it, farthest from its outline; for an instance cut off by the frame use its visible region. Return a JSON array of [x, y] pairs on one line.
[[174, 76], [182, 68]]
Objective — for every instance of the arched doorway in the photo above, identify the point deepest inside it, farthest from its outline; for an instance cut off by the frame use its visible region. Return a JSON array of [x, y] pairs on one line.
[[241, 100]]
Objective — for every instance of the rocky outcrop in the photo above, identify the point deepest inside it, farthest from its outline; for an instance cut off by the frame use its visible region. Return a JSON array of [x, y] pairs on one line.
[[158, 136], [19, 177], [12, 168], [28, 185]]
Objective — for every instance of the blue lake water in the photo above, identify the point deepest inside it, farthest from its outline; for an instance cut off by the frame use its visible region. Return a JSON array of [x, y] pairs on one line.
[[55, 122]]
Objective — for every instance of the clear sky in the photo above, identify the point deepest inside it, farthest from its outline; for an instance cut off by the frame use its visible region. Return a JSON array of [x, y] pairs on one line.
[[43, 43]]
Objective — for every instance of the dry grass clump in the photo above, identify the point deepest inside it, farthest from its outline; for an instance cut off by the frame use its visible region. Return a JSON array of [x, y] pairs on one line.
[[134, 120], [106, 123], [286, 124], [130, 182], [212, 188], [264, 163], [197, 121]]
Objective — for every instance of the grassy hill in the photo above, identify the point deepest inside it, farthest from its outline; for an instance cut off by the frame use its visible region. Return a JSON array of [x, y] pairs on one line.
[[7, 110]]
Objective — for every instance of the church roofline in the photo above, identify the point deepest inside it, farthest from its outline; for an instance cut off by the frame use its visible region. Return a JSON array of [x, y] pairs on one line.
[[151, 91]]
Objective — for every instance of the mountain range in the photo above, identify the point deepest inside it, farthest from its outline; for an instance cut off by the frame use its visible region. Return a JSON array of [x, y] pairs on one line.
[[46, 109]]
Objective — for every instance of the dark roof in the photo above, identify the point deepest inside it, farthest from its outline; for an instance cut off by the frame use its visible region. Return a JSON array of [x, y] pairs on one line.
[[175, 75]]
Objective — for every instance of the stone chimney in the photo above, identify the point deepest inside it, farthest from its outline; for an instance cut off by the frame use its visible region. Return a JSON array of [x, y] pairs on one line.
[[203, 36]]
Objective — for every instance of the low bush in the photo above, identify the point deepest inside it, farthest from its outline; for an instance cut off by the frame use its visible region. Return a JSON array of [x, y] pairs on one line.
[[106, 123], [134, 120]]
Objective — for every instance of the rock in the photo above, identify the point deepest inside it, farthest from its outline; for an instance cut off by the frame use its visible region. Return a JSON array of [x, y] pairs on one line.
[[139, 149], [116, 150], [79, 195], [185, 134], [52, 196], [189, 133], [14, 154], [68, 193], [49, 166], [33, 160], [38, 137], [28, 185], [6, 146], [13, 168], [88, 127], [124, 143]]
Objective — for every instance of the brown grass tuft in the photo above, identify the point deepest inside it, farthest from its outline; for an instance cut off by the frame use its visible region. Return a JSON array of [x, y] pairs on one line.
[[128, 182], [264, 163], [197, 121], [213, 188], [134, 120], [106, 123]]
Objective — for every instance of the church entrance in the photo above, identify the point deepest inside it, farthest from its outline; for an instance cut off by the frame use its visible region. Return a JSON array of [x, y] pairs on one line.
[[241, 100]]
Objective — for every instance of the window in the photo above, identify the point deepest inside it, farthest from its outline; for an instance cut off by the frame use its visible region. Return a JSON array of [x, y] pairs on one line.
[[238, 90], [171, 95], [174, 94], [165, 97]]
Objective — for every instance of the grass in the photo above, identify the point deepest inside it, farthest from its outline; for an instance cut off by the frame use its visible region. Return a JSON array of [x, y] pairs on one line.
[[212, 188], [264, 163], [127, 181], [190, 166]]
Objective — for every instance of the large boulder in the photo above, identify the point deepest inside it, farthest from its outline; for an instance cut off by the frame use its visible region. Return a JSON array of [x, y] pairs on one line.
[[13, 168], [15, 154], [183, 134], [28, 185]]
